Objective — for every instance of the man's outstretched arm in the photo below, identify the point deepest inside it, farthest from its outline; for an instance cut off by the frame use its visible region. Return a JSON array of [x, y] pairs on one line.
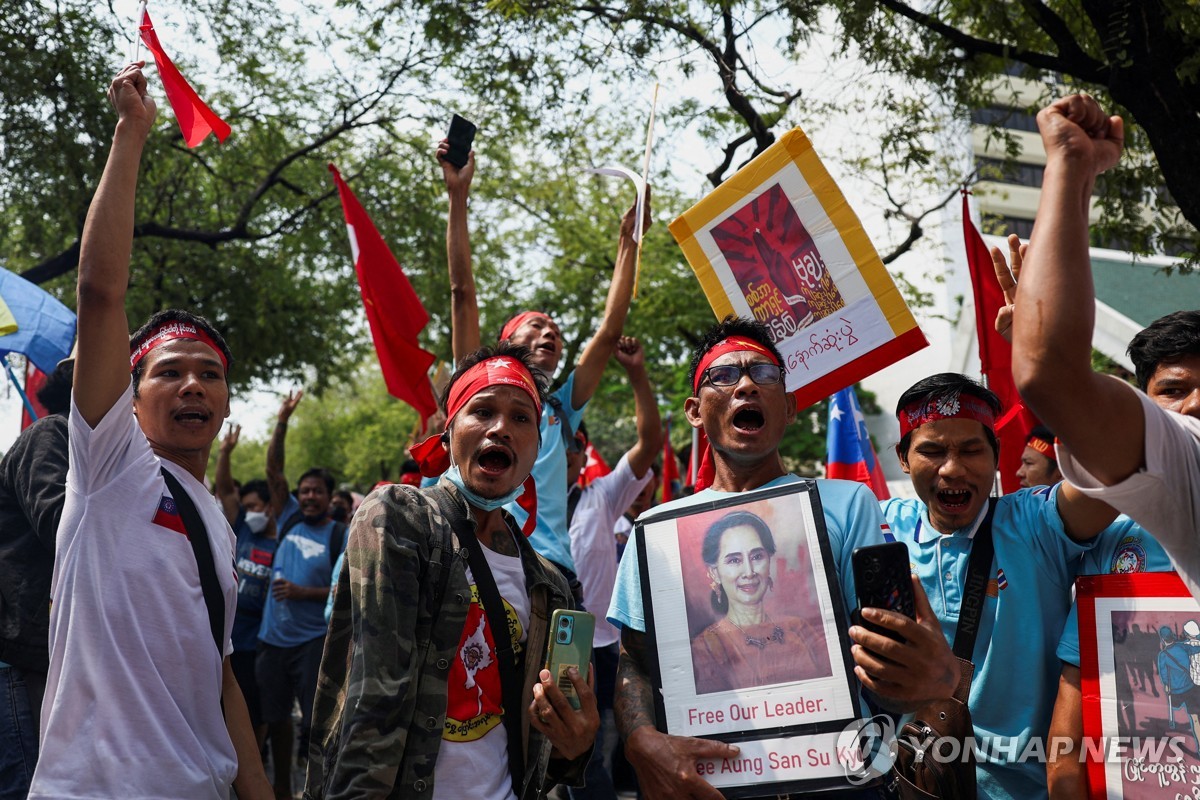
[[632, 357], [1098, 418], [102, 362], [599, 350], [464, 308], [277, 480]]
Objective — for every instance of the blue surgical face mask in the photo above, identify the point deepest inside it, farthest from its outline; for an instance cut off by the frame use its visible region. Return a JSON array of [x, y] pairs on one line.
[[486, 503]]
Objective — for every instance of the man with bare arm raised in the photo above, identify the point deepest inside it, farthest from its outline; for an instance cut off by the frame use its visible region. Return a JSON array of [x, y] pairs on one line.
[[140, 698]]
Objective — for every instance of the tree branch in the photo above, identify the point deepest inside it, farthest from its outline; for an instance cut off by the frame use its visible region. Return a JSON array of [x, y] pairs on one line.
[[1092, 72], [718, 174]]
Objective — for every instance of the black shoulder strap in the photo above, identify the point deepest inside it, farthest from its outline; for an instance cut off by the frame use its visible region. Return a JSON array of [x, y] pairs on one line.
[[572, 502], [568, 435], [979, 571], [198, 536], [337, 542], [295, 519], [511, 683]]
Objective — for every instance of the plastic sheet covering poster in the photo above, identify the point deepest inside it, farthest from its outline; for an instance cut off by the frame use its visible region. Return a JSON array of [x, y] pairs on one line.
[[747, 640], [779, 243], [1139, 644]]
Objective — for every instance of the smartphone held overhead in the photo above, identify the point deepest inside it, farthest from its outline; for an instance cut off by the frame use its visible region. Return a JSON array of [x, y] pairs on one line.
[[460, 137]]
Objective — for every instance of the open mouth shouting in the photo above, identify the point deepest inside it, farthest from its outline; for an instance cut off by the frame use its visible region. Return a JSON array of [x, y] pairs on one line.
[[749, 420], [193, 416], [954, 501], [495, 460]]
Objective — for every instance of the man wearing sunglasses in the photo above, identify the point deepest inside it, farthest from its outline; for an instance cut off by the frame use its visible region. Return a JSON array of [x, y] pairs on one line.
[[740, 401]]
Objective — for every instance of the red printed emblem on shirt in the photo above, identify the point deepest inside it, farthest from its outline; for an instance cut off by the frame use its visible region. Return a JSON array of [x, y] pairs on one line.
[[167, 515]]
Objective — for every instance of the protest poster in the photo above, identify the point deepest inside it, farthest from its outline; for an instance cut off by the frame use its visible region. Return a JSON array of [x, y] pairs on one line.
[[1139, 638], [778, 242], [747, 639]]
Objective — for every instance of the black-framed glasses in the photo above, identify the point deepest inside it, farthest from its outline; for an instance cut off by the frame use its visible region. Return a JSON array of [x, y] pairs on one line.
[[761, 373]]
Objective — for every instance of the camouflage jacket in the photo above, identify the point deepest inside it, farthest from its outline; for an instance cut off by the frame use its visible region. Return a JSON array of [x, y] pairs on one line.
[[380, 707]]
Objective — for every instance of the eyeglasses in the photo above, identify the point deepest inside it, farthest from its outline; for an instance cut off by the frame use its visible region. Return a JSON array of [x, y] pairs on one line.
[[730, 374]]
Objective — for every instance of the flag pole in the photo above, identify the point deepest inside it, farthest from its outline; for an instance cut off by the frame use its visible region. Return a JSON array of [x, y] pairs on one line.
[[638, 226], [137, 31], [33, 415]]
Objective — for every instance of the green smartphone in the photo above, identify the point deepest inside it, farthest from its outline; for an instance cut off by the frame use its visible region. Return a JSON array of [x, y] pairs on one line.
[[570, 646]]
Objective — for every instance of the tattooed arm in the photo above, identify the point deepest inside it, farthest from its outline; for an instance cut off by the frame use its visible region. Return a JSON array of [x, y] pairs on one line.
[[665, 765]]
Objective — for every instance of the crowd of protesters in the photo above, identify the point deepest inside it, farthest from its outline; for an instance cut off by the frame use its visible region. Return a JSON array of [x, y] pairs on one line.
[[160, 637]]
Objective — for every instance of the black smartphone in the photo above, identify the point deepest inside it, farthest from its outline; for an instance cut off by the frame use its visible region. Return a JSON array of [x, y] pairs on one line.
[[882, 579], [460, 137]]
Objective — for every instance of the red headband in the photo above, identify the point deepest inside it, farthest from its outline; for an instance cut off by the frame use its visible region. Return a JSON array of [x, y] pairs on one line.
[[1042, 446], [962, 406], [734, 344], [169, 331], [511, 326], [500, 371]]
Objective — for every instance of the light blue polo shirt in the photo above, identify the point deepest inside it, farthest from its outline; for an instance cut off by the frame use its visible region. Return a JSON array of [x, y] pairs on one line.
[[852, 520], [1028, 598], [551, 537], [303, 558], [1121, 548]]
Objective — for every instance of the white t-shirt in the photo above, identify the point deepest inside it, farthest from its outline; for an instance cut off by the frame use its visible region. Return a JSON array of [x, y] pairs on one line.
[[133, 694], [593, 545], [473, 759], [1164, 497]]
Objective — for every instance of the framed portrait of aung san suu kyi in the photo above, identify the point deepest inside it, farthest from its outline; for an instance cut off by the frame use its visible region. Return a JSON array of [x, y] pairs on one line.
[[748, 641]]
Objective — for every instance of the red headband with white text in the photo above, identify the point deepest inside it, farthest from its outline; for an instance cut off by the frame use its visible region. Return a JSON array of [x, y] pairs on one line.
[[734, 344], [961, 406], [707, 470], [170, 331], [1042, 446], [500, 371]]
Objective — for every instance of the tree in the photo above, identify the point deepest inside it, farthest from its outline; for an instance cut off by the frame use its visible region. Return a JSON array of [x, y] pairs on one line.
[[1142, 59]]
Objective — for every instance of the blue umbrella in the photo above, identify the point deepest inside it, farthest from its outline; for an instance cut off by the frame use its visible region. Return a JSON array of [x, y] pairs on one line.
[[45, 327]]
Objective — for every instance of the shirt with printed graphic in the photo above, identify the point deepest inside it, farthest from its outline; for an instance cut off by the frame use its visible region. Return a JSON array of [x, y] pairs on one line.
[[253, 558], [474, 739], [1122, 548]]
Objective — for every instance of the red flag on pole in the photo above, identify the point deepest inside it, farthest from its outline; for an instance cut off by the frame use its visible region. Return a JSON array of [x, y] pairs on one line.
[[995, 354], [196, 120], [394, 311], [35, 379], [594, 467], [670, 466]]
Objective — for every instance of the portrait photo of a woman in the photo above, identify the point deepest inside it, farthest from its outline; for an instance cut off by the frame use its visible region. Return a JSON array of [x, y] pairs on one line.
[[754, 641]]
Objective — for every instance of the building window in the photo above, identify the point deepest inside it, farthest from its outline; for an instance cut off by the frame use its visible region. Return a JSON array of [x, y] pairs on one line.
[[996, 169], [1000, 117], [998, 225]]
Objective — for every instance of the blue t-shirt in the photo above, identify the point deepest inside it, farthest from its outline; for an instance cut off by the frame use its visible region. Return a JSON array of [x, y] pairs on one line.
[[1026, 604], [551, 537], [253, 557], [1121, 548], [337, 571], [303, 558], [852, 520]]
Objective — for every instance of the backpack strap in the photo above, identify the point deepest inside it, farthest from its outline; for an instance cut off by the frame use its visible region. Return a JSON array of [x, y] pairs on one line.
[[511, 684], [337, 542], [568, 435], [197, 534]]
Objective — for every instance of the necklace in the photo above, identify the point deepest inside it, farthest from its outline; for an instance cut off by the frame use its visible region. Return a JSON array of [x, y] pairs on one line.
[[760, 642]]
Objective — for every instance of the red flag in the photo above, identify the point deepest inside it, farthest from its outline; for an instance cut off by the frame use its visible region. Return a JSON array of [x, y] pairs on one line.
[[670, 468], [34, 379], [594, 467], [995, 354], [394, 311], [196, 120]]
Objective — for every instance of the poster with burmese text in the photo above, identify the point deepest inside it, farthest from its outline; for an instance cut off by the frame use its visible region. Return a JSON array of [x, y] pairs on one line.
[[747, 639], [779, 243]]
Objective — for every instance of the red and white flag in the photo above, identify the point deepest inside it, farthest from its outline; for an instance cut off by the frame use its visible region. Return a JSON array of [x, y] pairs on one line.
[[594, 467], [196, 120], [394, 311]]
